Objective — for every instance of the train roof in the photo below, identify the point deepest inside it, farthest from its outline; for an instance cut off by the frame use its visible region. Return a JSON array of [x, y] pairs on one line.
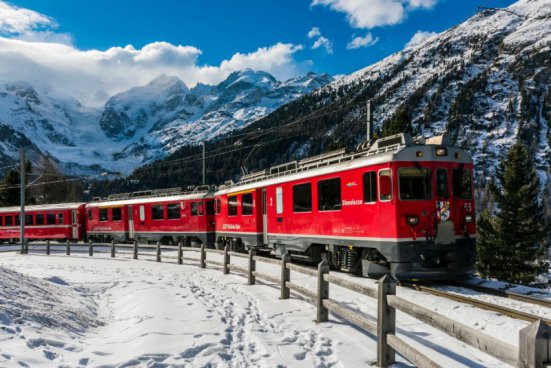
[[159, 195], [43, 207], [399, 147]]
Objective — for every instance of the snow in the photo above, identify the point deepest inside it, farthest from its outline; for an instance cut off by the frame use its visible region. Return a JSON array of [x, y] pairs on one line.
[[122, 312]]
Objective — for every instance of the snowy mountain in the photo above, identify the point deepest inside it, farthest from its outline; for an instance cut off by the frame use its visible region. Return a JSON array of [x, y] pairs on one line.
[[139, 125], [164, 115]]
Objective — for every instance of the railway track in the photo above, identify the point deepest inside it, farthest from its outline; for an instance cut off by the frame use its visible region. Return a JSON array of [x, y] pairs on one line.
[[507, 311]]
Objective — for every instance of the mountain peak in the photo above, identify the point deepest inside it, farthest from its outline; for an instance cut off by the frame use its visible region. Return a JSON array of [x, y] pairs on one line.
[[164, 81]]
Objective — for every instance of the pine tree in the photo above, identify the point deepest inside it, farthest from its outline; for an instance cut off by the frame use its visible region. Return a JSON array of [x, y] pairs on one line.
[[512, 244]]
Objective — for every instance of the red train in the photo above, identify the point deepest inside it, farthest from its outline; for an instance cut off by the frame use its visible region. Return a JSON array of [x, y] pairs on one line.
[[399, 206]]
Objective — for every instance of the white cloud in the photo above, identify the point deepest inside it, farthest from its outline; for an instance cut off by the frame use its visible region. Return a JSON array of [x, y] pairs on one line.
[[369, 14], [419, 37], [314, 32], [366, 41], [14, 20], [321, 41], [91, 75], [325, 43]]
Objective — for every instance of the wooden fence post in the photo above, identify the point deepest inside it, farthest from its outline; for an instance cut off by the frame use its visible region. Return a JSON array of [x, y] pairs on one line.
[[158, 251], [534, 346], [323, 292], [386, 322], [112, 249], [285, 276], [252, 267], [68, 248], [90, 248], [203, 263], [180, 252], [135, 255], [47, 247], [226, 260]]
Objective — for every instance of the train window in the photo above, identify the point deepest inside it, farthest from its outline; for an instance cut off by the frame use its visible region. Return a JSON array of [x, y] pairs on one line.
[[1, 220], [385, 185], [462, 184], [200, 211], [50, 219], [414, 183], [142, 213], [302, 197], [157, 212], [232, 206], [173, 211], [442, 183], [219, 206], [279, 200], [90, 214], [28, 219], [370, 187], [247, 204], [60, 218], [210, 207], [103, 214], [329, 194], [9, 221], [194, 209], [116, 214], [40, 219], [17, 222]]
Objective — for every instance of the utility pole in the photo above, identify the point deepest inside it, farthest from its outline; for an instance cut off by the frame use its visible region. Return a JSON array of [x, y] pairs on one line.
[[369, 119], [22, 214], [204, 167]]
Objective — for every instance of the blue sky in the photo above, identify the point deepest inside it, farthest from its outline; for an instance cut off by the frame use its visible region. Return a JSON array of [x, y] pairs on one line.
[[216, 30]]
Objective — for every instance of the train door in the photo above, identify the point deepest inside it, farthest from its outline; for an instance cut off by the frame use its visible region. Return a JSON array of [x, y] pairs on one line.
[[74, 224], [445, 232], [264, 218], [130, 222]]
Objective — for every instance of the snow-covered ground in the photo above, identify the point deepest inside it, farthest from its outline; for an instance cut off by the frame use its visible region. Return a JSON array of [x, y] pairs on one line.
[[81, 311]]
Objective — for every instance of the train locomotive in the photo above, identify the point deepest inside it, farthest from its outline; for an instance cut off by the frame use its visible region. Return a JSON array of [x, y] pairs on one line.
[[398, 206]]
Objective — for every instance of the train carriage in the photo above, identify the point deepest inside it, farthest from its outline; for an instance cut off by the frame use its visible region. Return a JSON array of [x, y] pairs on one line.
[[403, 207], [61, 222], [168, 216]]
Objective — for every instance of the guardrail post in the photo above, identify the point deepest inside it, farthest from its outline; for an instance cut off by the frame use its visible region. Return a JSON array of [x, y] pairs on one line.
[[203, 263], [534, 343], [47, 247], [90, 248], [112, 249], [285, 276], [386, 322], [180, 252], [135, 255], [158, 251], [68, 248], [252, 267], [226, 260], [323, 292]]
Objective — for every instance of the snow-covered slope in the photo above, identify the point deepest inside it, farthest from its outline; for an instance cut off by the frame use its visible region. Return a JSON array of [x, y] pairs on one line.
[[139, 125], [485, 81]]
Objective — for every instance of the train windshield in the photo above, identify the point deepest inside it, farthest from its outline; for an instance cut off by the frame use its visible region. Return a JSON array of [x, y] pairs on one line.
[[462, 184], [414, 183]]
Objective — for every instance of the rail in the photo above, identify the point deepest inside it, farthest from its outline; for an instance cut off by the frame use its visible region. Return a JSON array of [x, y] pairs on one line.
[[533, 339]]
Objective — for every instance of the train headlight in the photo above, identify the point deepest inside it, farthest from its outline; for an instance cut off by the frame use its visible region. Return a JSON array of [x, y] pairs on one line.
[[412, 220], [441, 151], [469, 218]]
